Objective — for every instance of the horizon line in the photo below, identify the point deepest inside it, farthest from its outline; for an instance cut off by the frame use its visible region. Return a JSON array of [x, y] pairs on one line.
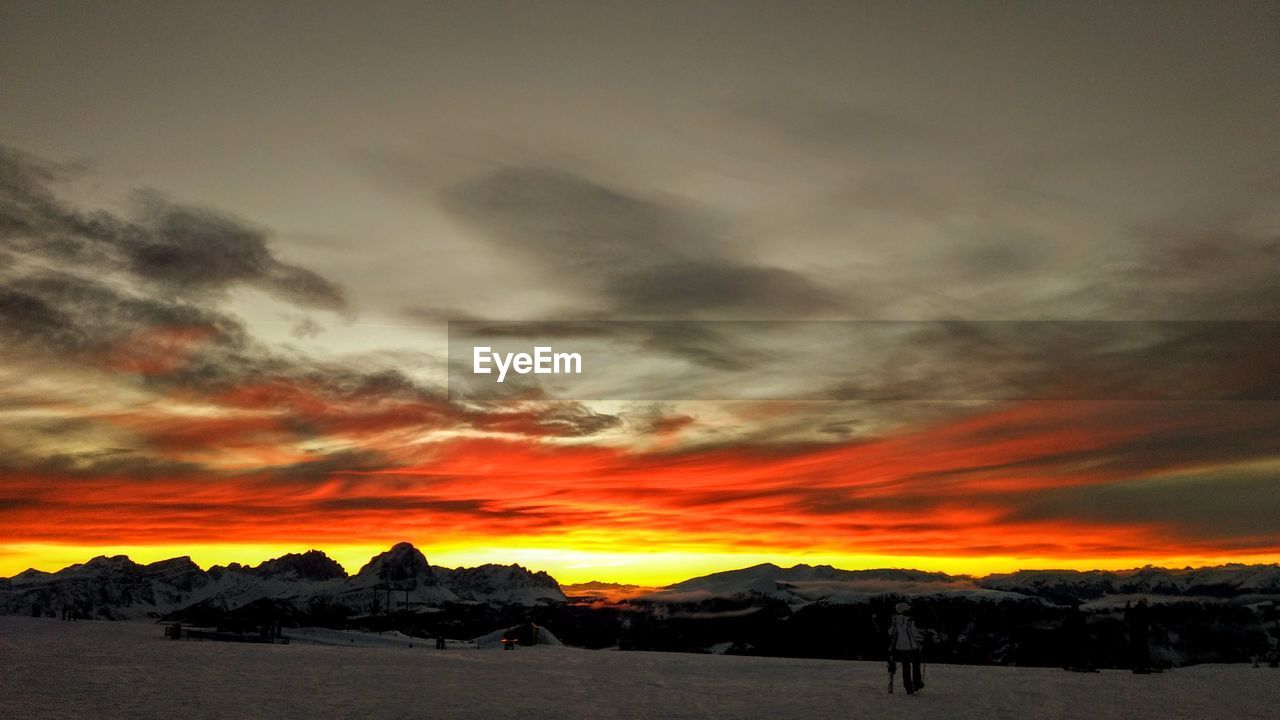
[[1122, 565]]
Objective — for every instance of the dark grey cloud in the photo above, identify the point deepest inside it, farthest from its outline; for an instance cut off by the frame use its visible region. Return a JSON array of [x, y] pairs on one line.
[[1220, 273], [618, 255], [61, 312], [708, 286], [1143, 438], [656, 419], [628, 255], [28, 320], [708, 345], [895, 361], [183, 251], [190, 250], [1070, 360], [104, 462], [557, 218], [326, 465], [27, 203], [1214, 506], [97, 296], [63, 304]]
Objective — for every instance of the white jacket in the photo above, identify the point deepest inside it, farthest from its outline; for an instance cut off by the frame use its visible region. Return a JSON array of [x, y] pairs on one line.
[[903, 635]]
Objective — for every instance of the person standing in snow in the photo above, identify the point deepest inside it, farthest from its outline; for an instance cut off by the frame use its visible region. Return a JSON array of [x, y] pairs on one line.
[[905, 644]]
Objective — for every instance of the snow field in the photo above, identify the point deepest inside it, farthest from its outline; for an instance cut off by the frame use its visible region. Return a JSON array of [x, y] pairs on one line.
[[55, 669]]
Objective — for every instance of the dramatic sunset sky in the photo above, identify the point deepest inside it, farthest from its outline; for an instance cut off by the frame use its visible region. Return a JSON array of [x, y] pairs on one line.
[[232, 235]]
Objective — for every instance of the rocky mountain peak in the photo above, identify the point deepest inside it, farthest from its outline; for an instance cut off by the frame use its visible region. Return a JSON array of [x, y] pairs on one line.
[[403, 564], [310, 565]]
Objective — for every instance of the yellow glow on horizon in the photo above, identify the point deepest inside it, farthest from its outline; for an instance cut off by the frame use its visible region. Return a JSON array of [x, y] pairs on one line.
[[51, 557], [576, 566]]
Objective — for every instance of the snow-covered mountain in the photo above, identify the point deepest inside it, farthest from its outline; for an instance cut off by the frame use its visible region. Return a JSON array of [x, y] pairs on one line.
[[403, 568], [809, 583], [801, 584], [403, 564], [506, 584], [118, 588], [104, 587], [310, 565], [1223, 581]]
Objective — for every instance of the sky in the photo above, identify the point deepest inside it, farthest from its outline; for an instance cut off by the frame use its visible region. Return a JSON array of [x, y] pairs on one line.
[[232, 237]]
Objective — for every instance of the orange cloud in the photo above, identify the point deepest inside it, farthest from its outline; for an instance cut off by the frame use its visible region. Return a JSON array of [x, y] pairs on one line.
[[986, 486]]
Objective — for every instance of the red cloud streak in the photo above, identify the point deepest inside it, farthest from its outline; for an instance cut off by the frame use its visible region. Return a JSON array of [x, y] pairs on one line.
[[956, 489]]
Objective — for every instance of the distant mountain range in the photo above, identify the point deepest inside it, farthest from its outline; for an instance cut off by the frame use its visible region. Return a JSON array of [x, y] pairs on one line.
[[802, 584], [117, 588], [402, 579]]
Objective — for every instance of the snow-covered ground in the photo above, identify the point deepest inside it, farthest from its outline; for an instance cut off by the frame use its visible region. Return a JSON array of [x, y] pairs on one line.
[[351, 638], [55, 669]]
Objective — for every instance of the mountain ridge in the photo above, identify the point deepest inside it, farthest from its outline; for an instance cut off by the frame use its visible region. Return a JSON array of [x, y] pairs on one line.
[[116, 587]]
